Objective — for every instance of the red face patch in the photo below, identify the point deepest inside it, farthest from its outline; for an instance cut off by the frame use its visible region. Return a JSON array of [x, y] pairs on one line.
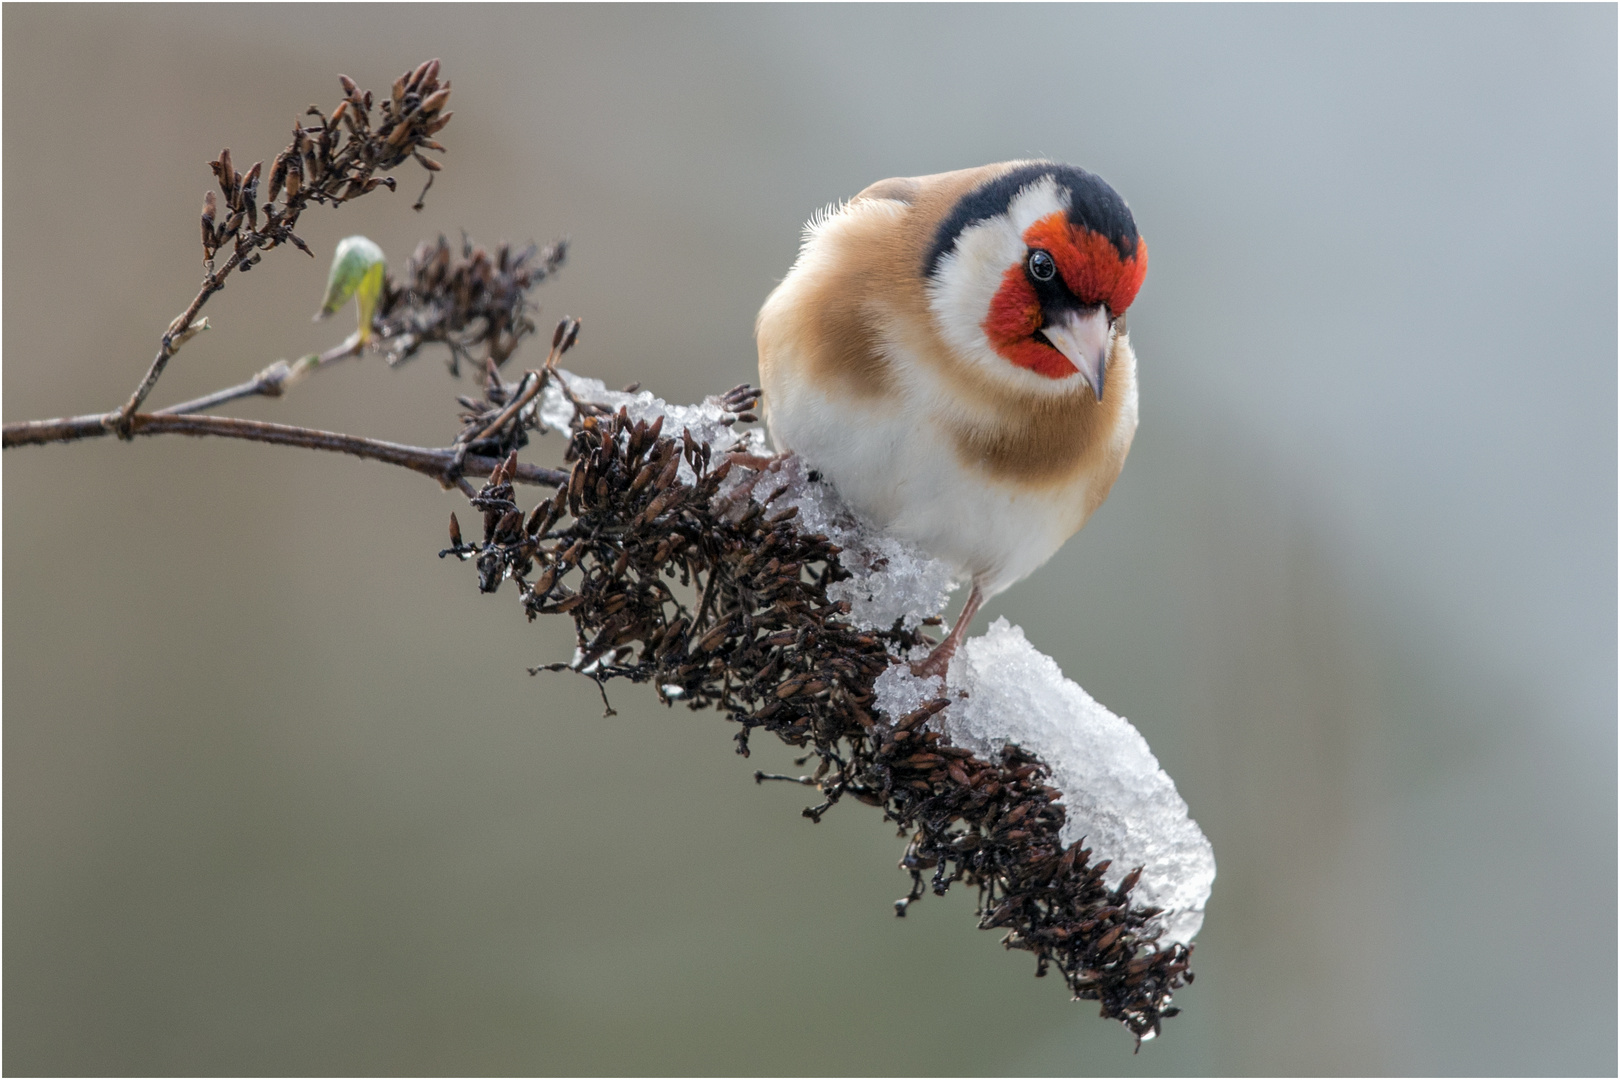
[[1089, 262], [1091, 268]]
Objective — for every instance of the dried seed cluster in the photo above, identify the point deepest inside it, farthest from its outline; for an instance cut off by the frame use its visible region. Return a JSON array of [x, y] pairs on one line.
[[337, 159], [667, 584], [471, 301]]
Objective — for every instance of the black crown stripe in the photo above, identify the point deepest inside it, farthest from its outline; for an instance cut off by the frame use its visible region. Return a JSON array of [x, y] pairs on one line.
[[1092, 204]]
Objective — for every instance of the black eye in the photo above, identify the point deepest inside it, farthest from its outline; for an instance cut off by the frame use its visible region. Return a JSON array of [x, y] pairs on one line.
[[1041, 266]]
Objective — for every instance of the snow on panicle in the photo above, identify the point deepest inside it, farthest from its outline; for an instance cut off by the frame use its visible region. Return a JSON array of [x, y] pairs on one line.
[[705, 420], [1117, 799], [1002, 689]]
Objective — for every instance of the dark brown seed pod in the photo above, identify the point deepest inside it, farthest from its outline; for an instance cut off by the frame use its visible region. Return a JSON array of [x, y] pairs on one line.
[[714, 638], [434, 102], [278, 174], [571, 556], [666, 476], [250, 195], [208, 242], [414, 82], [227, 175], [660, 503]]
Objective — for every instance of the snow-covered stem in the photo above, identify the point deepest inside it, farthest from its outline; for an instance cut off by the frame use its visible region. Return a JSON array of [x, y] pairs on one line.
[[761, 627]]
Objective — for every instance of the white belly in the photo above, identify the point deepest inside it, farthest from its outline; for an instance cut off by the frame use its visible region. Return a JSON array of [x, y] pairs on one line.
[[897, 468]]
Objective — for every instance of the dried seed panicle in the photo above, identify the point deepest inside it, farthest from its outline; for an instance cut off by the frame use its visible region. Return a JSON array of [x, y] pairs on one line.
[[474, 301], [761, 642], [333, 160]]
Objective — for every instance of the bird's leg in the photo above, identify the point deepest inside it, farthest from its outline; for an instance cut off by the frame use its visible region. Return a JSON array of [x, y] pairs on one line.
[[936, 662], [757, 462], [760, 464]]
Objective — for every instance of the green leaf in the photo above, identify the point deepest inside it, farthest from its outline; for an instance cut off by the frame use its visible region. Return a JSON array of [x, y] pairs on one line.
[[357, 270]]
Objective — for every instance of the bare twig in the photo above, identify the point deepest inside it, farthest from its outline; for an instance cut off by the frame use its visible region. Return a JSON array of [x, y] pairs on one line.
[[533, 383], [436, 463], [273, 381], [179, 331]]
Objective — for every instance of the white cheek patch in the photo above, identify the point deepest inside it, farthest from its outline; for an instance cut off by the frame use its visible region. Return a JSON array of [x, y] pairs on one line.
[[969, 276], [967, 279]]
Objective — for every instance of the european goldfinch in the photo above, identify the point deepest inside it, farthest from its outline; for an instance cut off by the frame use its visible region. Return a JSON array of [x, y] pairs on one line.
[[949, 351]]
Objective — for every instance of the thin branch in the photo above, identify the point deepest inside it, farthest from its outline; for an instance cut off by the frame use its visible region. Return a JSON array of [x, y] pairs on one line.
[[437, 463], [179, 332], [273, 381], [526, 395]]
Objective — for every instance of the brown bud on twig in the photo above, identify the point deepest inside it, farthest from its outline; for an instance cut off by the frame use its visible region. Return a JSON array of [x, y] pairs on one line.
[[414, 83], [250, 195], [227, 176], [278, 174], [208, 225], [435, 102], [350, 90]]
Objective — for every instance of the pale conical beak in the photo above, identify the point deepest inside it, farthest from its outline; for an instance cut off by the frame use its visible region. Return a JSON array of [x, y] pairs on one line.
[[1082, 335]]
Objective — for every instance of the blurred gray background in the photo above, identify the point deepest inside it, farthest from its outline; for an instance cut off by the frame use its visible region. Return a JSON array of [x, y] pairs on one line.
[[280, 796]]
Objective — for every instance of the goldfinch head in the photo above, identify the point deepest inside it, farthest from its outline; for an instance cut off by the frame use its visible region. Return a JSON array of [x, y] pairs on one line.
[[1028, 272]]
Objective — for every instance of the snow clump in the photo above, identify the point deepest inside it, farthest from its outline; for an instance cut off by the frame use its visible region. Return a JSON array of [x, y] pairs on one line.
[[1117, 799], [707, 420]]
